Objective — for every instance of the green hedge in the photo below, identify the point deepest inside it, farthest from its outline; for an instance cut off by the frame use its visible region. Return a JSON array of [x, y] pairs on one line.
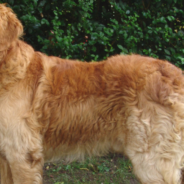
[[95, 29]]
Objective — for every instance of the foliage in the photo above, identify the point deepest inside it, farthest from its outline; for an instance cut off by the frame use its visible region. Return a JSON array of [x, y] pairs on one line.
[[95, 29]]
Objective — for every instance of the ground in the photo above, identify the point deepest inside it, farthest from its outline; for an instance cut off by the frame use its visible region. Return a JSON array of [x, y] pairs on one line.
[[112, 169]]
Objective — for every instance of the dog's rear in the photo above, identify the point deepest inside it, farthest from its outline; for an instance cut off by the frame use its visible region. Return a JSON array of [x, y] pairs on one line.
[[52, 109]]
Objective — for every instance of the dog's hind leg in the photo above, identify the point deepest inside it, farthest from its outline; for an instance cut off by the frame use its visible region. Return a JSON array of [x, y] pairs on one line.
[[6, 175], [156, 171], [154, 146]]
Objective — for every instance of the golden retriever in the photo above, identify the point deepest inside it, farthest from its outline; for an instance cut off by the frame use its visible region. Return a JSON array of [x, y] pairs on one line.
[[52, 108]]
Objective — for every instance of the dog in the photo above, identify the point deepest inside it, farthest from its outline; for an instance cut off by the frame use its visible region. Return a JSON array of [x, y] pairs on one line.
[[52, 109]]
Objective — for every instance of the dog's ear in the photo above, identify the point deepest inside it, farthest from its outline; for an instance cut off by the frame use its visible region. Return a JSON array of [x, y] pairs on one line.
[[10, 27]]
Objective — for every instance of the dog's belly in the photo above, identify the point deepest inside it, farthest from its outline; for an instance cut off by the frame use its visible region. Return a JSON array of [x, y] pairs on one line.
[[76, 152], [79, 142]]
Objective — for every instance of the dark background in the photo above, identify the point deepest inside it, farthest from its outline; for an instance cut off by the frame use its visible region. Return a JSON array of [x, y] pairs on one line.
[[95, 29]]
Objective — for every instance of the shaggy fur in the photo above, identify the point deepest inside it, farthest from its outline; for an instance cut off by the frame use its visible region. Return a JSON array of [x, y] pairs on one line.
[[52, 108]]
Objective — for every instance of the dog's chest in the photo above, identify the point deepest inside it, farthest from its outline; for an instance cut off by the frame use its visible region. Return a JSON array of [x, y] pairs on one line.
[[13, 107]]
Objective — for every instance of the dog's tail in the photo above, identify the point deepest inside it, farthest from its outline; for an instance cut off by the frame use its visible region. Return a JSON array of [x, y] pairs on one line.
[[10, 27]]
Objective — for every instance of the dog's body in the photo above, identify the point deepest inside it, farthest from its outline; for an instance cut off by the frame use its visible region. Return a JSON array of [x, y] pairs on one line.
[[52, 109]]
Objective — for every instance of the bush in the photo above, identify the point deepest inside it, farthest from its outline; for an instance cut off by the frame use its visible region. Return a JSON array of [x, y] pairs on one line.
[[95, 29]]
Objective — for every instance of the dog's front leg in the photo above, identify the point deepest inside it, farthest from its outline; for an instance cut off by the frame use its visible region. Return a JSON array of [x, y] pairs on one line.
[[26, 165], [22, 148], [24, 172], [6, 175]]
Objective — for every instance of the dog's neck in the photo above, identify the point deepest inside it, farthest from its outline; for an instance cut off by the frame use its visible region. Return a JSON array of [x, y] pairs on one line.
[[3, 54], [14, 62]]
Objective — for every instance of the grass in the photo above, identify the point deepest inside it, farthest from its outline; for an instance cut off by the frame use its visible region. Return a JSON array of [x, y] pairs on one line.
[[112, 169]]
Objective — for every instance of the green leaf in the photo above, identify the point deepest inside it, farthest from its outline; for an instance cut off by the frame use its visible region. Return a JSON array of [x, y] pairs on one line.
[[181, 59], [44, 21], [167, 52], [168, 58], [170, 18], [120, 47], [35, 2], [162, 19], [128, 12]]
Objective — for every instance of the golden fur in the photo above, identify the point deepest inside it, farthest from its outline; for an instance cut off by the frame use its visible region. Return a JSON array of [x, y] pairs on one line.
[[52, 108]]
